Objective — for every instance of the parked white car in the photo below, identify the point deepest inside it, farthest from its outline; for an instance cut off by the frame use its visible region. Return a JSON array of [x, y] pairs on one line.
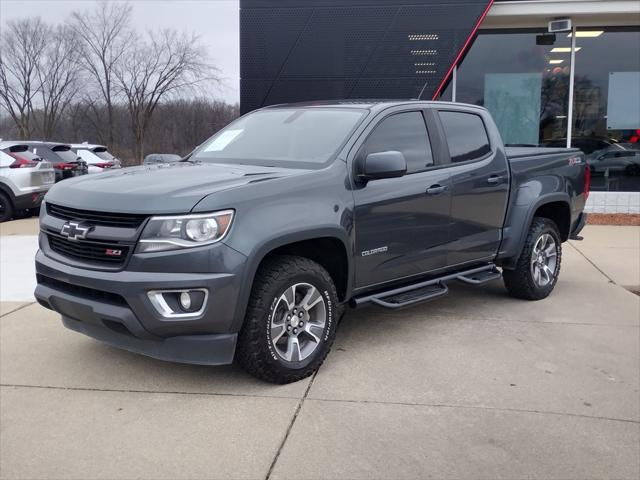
[[98, 158], [24, 179]]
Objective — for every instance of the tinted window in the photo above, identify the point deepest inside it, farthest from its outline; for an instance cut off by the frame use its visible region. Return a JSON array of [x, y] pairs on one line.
[[65, 153], [46, 153], [103, 154], [466, 136], [60, 155], [406, 133]]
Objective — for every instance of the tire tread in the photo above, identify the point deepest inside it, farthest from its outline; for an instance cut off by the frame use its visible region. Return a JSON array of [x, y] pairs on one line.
[[519, 281], [250, 353]]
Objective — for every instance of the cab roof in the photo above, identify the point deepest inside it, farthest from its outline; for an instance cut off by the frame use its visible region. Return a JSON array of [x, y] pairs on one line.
[[370, 104]]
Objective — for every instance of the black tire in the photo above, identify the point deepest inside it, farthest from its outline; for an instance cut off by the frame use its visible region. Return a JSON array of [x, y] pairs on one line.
[[520, 282], [6, 208], [256, 352]]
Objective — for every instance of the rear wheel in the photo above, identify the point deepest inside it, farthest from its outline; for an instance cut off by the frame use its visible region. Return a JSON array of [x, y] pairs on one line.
[[291, 320], [6, 208], [538, 267]]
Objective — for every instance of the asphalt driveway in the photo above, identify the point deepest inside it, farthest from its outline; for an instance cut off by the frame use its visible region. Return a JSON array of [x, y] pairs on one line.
[[476, 385]]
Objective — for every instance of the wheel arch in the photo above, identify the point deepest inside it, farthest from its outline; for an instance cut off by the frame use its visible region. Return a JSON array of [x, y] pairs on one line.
[[554, 206], [8, 192], [326, 246]]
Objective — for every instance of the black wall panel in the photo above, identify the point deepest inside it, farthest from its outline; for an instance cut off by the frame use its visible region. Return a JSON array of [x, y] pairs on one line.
[[301, 50]]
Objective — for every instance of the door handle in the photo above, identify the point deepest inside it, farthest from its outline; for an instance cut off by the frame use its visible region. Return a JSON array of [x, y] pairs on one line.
[[494, 180], [436, 189]]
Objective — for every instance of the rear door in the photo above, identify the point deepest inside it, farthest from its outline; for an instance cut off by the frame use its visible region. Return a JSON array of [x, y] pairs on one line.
[[401, 223], [480, 185]]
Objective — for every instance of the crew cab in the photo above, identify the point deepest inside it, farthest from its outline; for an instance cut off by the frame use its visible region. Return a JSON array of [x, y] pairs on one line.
[[253, 246]]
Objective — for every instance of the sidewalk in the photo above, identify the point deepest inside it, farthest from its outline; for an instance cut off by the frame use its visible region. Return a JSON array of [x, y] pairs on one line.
[[615, 251]]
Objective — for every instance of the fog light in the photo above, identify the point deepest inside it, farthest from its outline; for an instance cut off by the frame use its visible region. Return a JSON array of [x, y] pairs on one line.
[[179, 303], [185, 300]]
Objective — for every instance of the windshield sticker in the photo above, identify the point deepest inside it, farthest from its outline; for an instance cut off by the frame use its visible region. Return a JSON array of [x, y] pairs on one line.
[[224, 139]]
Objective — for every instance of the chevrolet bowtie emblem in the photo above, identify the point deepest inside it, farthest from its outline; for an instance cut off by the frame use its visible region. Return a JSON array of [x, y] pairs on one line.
[[74, 231]]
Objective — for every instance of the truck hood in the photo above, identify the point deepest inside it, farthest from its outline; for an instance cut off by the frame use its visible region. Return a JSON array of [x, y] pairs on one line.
[[158, 189]]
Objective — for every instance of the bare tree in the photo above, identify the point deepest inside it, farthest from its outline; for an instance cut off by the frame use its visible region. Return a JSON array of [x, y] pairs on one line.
[[166, 65], [22, 45], [58, 77], [104, 36]]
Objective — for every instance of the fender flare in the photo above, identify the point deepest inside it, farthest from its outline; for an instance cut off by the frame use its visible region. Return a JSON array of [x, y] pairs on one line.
[[511, 257], [259, 253]]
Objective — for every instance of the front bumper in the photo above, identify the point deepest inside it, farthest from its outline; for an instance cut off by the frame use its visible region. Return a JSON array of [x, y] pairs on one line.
[[113, 307]]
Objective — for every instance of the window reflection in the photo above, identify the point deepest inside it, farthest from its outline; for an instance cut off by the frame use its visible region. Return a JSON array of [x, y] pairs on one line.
[[522, 78], [606, 119]]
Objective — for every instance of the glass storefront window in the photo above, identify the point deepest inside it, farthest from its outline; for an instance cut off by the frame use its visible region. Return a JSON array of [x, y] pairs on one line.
[[606, 118], [522, 78]]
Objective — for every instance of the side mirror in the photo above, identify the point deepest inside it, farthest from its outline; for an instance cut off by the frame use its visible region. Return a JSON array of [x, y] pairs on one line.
[[389, 164]]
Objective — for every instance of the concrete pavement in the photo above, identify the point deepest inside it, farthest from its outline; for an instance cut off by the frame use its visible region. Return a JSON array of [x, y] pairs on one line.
[[475, 385], [615, 251]]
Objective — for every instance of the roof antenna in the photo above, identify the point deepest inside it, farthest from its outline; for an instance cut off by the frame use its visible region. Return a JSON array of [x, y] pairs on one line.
[[422, 90]]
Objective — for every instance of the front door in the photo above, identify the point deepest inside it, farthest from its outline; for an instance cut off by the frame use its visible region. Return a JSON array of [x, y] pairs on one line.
[[401, 223]]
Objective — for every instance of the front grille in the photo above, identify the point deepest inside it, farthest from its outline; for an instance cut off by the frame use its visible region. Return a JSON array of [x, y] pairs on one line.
[[89, 251], [85, 292], [121, 220]]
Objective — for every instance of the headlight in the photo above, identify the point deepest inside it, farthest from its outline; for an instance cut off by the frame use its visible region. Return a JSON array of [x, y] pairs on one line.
[[184, 231]]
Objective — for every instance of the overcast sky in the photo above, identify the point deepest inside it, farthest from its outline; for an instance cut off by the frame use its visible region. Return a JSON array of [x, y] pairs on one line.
[[215, 21]]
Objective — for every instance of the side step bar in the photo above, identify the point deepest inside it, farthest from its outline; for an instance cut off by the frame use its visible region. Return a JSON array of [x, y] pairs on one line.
[[480, 277], [427, 290]]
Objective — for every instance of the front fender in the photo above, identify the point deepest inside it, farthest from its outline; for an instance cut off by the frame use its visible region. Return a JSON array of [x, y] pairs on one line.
[[262, 249]]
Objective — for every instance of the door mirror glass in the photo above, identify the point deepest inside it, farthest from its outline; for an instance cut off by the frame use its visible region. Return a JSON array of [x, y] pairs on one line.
[[389, 164]]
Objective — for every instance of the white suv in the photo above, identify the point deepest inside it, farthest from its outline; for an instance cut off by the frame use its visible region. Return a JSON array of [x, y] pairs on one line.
[[98, 158], [24, 179]]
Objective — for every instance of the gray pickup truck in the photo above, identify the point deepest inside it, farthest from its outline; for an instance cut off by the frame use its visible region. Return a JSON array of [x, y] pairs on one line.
[[253, 245]]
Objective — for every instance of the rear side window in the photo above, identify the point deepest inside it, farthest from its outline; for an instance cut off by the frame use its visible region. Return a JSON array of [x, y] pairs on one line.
[[406, 133], [466, 136]]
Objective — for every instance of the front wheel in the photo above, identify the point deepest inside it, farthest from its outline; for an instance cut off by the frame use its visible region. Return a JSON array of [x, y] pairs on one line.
[[538, 267], [290, 322]]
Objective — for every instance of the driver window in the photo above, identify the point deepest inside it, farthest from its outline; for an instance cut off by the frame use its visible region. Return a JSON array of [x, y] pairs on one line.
[[403, 132]]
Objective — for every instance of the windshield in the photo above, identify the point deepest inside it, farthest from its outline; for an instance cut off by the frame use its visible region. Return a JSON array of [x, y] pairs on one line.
[[282, 137]]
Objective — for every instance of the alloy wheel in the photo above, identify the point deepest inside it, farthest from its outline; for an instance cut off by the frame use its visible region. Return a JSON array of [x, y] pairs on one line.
[[543, 260], [298, 322]]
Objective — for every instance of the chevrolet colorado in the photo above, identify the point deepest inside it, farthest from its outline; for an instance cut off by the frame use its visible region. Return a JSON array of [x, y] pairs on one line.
[[254, 244]]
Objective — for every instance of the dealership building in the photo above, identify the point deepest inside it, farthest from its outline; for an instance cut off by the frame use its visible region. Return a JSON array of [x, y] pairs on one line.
[[552, 73]]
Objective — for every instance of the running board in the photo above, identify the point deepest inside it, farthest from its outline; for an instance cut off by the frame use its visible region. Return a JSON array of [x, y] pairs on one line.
[[427, 290], [481, 277]]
